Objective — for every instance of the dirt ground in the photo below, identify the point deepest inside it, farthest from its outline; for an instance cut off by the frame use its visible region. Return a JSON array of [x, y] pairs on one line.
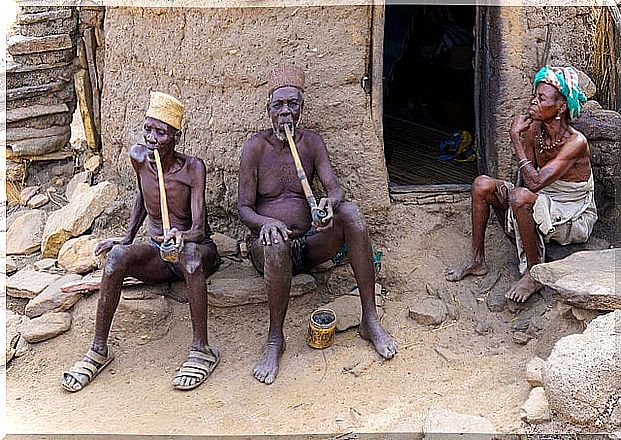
[[451, 366]]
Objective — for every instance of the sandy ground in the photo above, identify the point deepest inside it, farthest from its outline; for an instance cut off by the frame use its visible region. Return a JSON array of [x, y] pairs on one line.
[[450, 367]]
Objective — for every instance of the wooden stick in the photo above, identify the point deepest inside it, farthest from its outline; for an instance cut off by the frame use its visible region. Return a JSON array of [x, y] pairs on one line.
[[163, 202], [308, 192]]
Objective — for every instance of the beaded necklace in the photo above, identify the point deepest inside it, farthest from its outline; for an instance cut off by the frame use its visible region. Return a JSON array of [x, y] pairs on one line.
[[543, 147]]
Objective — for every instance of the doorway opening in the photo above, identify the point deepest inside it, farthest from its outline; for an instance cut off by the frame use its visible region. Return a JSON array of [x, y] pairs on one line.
[[428, 82]]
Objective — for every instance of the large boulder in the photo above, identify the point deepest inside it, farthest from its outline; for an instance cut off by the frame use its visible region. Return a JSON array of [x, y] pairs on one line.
[[54, 299], [599, 124], [78, 254], [584, 279], [582, 378], [75, 218], [25, 233]]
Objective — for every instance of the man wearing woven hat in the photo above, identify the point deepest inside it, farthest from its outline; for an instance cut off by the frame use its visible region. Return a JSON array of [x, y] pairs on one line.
[[284, 242], [179, 234], [555, 199]]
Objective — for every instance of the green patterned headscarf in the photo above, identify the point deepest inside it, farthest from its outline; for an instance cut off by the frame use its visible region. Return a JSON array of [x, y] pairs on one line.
[[565, 80]]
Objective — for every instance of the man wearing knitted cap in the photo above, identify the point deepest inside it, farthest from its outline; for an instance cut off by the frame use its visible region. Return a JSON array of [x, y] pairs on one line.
[[554, 200], [182, 250], [285, 241]]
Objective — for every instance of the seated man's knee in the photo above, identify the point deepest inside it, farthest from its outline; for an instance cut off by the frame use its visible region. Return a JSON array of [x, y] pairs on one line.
[[190, 257], [117, 259], [277, 252], [349, 213], [482, 186], [520, 197]]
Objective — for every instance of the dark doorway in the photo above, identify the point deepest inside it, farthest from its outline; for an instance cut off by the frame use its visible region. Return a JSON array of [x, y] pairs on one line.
[[428, 77]]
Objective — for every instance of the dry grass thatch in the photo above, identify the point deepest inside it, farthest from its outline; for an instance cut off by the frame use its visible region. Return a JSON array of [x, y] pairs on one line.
[[604, 60]]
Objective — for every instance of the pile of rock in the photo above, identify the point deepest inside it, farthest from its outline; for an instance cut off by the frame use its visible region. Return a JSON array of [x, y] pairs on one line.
[[57, 235], [40, 93], [581, 381]]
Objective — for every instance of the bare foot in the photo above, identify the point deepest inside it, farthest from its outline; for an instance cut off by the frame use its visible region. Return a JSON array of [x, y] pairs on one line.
[[266, 369], [472, 268], [372, 330], [524, 288]]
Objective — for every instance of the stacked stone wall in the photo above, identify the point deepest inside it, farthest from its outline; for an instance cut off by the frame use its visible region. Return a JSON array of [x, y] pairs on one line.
[[39, 76]]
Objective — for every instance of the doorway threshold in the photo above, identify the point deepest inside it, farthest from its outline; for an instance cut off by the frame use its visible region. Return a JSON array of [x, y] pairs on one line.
[[429, 194]]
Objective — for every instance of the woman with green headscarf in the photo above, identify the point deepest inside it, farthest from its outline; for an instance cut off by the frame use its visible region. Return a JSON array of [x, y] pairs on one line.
[[555, 198]]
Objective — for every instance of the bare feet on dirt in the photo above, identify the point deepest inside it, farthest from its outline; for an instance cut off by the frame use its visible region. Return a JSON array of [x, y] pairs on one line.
[[475, 268], [523, 289], [266, 369], [372, 330]]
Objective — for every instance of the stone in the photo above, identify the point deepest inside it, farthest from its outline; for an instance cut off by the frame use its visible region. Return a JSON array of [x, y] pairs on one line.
[[430, 311], [53, 299], [10, 266], [83, 177], [533, 371], [21, 133], [144, 291], [13, 321], [38, 146], [25, 233], [440, 422], [348, 311], [521, 338], [34, 111], [79, 189], [20, 45], [43, 16], [584, 314], [16, 171], [536, 408], [28, 283], [599, 125], [76, 217], [585, 279], [45, 264], [27, 193], [149, 319], [93, 164], [45, 327], [38, 201], [582, 375], [239, 284], [22, 347], [227, 246], [78, 254]]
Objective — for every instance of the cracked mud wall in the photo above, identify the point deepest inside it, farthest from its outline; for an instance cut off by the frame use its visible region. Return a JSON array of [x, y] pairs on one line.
[[216, 61]]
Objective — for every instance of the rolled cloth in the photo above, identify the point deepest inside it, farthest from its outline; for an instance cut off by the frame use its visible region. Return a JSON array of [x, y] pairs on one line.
[[565, 80], [283, 76], [564, 212], [166, 108]]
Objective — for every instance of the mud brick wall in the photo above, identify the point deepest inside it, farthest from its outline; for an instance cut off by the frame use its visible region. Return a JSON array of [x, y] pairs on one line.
[[216, 61], [519, 49], [40, 92]]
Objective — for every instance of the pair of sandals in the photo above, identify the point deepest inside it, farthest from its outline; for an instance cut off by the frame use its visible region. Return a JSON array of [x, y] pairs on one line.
[[84, 371]]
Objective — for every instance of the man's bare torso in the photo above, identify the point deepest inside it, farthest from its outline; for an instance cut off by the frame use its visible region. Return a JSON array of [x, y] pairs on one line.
[[178, 184], [279, 192]]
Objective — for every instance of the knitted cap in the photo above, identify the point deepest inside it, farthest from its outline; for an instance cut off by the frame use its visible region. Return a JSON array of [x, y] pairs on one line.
[[286, 75], [166, 108]]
